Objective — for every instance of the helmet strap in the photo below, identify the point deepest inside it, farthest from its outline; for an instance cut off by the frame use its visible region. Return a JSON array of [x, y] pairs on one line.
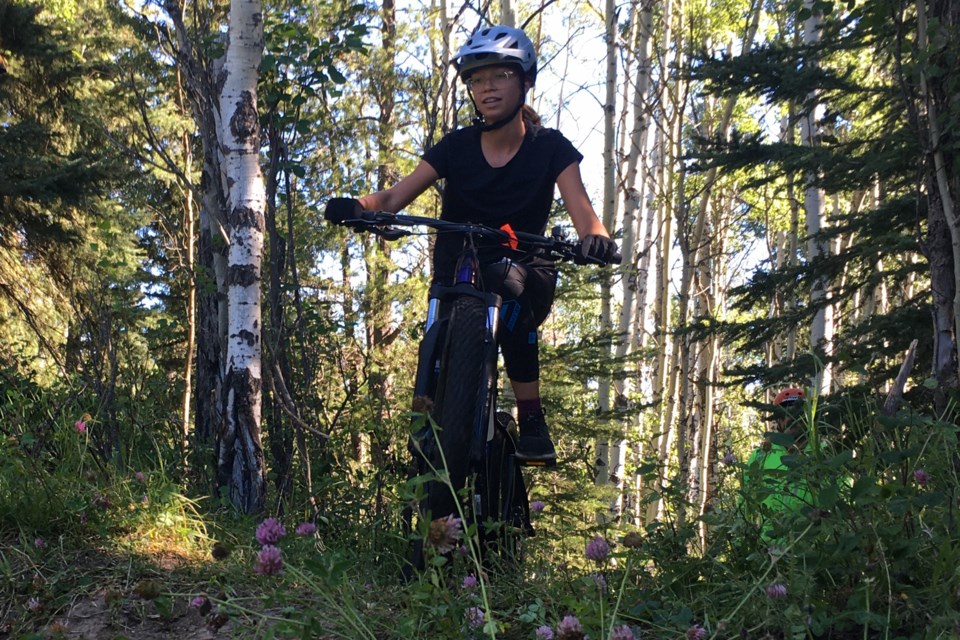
[[502, 122]]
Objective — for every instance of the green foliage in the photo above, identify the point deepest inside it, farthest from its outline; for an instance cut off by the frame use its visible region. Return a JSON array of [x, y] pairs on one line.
[[864, 141], [872, 553]]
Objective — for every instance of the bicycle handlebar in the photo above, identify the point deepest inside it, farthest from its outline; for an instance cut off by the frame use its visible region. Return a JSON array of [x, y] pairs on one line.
[[556, 247]]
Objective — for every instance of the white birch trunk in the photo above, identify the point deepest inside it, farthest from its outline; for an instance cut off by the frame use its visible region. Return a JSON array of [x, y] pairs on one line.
[[605, 470], [240, 459], [636, 254], [508, 16], [821, 329]]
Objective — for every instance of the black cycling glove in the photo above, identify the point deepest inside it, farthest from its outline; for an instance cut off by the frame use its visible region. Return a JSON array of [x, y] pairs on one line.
[[599, 249], [340, 210]]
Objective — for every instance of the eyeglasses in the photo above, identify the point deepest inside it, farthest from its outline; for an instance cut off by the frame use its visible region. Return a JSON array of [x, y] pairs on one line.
[[497, 80]]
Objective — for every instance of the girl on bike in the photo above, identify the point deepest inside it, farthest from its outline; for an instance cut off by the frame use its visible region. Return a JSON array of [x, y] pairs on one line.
[[501, 172]]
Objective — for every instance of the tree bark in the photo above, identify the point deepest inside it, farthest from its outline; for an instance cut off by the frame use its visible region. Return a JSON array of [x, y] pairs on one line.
[[608, 467], [240, 465], [821, 329], [943, 234]]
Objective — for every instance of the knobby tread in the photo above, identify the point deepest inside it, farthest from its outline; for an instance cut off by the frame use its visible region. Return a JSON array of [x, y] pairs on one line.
[[459, 395]]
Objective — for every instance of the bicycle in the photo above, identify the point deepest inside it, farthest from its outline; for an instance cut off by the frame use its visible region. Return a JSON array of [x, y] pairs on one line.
[[456, 385]]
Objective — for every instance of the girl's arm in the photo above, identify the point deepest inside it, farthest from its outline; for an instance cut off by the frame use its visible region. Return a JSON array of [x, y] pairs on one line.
[[574, 195], [403, 193]]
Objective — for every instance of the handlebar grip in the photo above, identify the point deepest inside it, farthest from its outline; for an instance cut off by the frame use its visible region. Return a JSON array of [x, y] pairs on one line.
[[342, 210]]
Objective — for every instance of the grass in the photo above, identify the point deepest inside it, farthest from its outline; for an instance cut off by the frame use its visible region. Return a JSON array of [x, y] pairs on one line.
[[122, 554]]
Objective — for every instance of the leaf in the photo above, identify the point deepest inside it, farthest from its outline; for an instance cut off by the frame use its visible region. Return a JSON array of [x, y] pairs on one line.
[[335, 75], [828, 497], [864, 490], [783, 439], [840, 459]]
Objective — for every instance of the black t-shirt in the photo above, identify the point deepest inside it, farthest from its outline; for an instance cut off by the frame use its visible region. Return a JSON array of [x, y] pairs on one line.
[[519, 193]]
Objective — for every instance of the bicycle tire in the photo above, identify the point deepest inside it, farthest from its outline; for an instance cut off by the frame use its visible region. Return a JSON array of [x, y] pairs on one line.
[[460, 398]]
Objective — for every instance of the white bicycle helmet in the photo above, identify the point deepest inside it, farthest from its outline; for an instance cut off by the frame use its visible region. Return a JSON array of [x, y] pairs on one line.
[[494, 46]]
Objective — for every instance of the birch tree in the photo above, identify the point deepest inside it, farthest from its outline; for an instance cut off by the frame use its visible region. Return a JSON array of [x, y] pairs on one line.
[[821, 329], [240, 464], [609, 467]]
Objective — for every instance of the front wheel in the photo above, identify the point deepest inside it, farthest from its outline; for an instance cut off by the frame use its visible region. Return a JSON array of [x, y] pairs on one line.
[[460, 400]]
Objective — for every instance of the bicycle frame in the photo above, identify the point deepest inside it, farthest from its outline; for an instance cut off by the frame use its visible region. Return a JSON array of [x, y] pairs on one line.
[[439, 298], [489, 458]]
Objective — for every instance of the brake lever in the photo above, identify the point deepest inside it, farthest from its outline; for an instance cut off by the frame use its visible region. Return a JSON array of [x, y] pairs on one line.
[[389, 233]]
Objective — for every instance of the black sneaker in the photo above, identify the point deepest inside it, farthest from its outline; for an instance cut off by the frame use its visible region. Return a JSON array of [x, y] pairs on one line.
[[534, 446]]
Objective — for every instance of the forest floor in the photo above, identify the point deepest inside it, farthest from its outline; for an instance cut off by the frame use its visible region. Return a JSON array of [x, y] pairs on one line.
[[108, 593]]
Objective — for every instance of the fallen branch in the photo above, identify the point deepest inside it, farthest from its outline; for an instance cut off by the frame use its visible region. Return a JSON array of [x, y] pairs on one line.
[[896, 392]]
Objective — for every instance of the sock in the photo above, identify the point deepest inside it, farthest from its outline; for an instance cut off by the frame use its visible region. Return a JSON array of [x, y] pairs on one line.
[[528, 407]]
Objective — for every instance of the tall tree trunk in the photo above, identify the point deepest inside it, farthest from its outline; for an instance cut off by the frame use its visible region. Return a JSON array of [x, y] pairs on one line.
[[189, 224], [240, 465], [667, 357], [209, 273], [508, 16], [631, 148], [280, 432], [821, 329], [943, 186], [606, 470]]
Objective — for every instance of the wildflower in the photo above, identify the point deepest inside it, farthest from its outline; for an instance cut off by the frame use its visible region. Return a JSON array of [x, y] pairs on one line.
[[140, 477], [305, 529], [202, 603], [33, 604], [537, 506], [622, 632], [600, 581], [696, 632], [101, 501], [269, 561], [921, 477], [444, 534], [475, 617], [80, 426], [776, 591], [544, 633], [39, 543], [270, 531], [469, 582], [569, 629], [728, 458], [598, 549]]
